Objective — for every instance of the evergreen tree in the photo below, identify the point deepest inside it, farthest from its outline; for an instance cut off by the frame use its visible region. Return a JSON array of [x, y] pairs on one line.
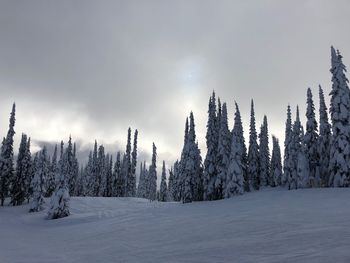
[[51, 177], [170, 192], [101, 188], [235, 173], [223, 153], [6, 158], [276, 163], [295, 147], [118, 182], [18, 182], [303, 169], [264, 155], [253, 178], [75, 172], [339, 164], [28, 164], [176, 182], [88, 177], [38, 182], [324, 141], [141, 184], [60, 199], [152, 182], [129, 180], [95, 176], [109, 190], [310, 141], [132, 182], [163, 187], [287, 164], [210, 171]]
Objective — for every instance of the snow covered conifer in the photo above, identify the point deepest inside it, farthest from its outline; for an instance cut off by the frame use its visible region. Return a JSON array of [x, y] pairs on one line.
[[287, 140], [129, 184], [223, 154], [132, 183], [339, 164], [324, 141], [264, 155], [101, 160], [18, 181], [38, 182], [60, 199], [51, 177], [235, 173], [30, 171], [6, 158], [118, 181], [163, 187], [210, 171], [152, 177], [310, 141], [276, 163], [141, 184], [170, 193], [253, 179]]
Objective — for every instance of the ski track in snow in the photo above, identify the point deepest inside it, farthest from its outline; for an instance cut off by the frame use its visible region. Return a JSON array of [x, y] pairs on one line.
[[272, 225]]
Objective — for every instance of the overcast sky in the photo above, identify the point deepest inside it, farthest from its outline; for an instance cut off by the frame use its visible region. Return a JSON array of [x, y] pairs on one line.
[[93, 68]]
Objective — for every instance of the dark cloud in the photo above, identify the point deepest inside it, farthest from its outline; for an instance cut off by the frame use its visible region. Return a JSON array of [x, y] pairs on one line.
[[94, 68]]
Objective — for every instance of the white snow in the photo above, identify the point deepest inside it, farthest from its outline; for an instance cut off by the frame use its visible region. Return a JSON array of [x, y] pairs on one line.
[[272, 225]]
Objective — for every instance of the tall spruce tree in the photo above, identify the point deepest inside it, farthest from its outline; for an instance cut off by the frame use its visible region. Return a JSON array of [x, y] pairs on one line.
[[235, 172], [276, 163], [51, 178], [170, 193], [129, 181], [59, 206], [210, 171], [28, 163], [38, 182], [324, 141], [18, 182], [101, 171], [223, 154], [287, 164], [310, 141], [118, 182], [6, 158], [339, 164], [293, 151], [163, 187], [152, 182], [253, 180], [264, 155], [132, 182]]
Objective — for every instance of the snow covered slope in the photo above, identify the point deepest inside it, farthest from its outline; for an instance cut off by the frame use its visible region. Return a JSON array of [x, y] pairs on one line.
[[277, 225]]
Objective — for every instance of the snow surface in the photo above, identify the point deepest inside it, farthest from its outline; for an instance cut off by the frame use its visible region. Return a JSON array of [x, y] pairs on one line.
[[272, 225]]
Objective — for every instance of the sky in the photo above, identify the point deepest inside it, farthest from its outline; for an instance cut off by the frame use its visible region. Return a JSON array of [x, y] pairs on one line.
[[91, 69]]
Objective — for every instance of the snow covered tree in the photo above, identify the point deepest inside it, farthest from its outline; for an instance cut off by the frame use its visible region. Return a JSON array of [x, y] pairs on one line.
[[118, 182], [176, 182], [235, 173], [109, 176], [276, 163], [75, 172], [295, 148], [101, 160], [6, 158], [287, 164], [253, 179], [303, 170], [38, 182], [310, 141], [129, 180], [170, 192], [152, 177], [88, 177], [163, 187], [210, 171], [324, 141], [339, 164], [29, 168], [59, 206], [51, 177], [18, 181], [223, 154], [264, 155], [132, 182], [141, 186]]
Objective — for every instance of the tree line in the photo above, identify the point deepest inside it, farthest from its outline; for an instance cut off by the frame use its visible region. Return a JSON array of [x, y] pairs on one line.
[[317, 156]]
